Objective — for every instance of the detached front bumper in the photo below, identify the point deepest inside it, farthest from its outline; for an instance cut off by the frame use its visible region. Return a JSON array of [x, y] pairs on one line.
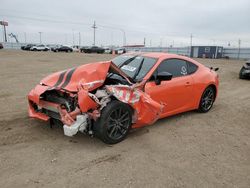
[[35, 105], [44, 110]]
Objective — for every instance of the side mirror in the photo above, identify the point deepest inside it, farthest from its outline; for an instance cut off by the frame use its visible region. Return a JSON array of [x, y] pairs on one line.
[[163, 76]]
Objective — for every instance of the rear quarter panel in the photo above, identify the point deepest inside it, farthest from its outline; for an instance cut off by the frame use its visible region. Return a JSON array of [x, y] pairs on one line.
[[202, 78]]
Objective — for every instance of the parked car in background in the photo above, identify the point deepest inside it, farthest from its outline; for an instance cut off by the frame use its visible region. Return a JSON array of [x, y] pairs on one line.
[[27, 47], [75, 48], [245, 71], [83, 48], [93, 49], [51, 46], [1, 46], [63, 49], [54, 47], [120, 51], [40, 47], [107, 50]]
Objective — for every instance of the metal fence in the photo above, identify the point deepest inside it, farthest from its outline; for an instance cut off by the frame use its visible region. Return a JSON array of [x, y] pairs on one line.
[[236, 53], [180, 51], [231, 53], [12, 45]]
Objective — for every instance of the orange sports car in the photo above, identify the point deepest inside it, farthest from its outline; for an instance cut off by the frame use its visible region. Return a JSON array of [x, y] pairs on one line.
[[108, 98]]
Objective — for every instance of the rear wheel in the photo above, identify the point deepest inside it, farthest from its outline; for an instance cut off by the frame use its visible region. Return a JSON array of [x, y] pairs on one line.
[[114, 124], [207, 99]]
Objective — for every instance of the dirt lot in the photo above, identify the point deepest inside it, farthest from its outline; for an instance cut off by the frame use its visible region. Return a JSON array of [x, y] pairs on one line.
[[187, 150]]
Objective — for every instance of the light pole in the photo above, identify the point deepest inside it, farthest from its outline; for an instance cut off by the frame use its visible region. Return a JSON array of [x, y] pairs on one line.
[[94, 27], [191, 43], [40, 36], [239, 43], [73, 34], [79, 39], [124, 37], [25, 37]]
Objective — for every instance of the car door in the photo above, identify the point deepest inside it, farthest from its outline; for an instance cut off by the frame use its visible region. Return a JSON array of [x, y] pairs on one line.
[[176, 93], [63, 49], [93, 49], [40, 47]]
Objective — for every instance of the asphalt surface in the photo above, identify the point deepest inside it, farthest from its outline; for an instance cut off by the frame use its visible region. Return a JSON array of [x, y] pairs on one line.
[[186, 150]]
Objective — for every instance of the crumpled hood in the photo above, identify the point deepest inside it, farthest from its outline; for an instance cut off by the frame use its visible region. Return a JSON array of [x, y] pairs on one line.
[[90, 76]]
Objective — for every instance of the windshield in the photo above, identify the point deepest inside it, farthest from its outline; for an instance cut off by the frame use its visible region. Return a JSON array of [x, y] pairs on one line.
[[121, 59], [138, 67]]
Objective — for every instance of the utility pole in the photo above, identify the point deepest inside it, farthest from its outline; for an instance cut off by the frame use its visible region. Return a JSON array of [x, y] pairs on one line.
[[40, 36], [144, 42], [239, 42], [161, 42], [4, 24], [79, 39], [25, 39], [94, 27], [191, 43], [73, 34], [5, 36], [124, 37]]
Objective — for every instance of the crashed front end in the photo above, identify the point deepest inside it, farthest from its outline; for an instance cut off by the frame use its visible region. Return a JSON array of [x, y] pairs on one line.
[[77, 96]]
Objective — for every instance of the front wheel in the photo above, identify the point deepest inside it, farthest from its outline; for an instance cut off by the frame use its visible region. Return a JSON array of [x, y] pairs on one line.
[[207, 99], [114, 124]]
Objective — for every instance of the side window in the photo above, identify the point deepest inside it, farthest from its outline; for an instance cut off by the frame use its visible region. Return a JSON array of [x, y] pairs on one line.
[[176, 67], [192, 68]]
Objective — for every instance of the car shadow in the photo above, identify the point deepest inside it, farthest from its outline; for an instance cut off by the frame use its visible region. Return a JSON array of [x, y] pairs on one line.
[[160, 122]]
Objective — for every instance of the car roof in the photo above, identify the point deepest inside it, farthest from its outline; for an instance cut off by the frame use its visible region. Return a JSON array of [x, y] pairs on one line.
[[159, 55], [162, 55], [155, 54]]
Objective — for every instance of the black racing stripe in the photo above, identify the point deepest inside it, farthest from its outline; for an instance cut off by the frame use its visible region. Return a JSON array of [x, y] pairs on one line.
[[68, 78], [60, 79]]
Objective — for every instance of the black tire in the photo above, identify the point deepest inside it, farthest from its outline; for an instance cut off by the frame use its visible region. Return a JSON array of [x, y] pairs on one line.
[[241, 76], [114, 124], [207, 99]]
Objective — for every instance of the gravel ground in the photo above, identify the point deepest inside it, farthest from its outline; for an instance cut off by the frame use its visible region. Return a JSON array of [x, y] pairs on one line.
[[186, 150]]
